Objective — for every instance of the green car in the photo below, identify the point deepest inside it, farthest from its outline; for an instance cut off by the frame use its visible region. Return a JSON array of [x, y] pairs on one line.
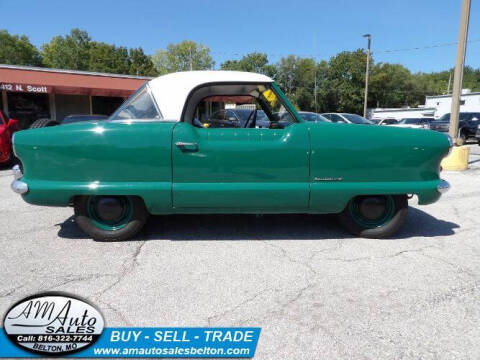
[[161, 153]]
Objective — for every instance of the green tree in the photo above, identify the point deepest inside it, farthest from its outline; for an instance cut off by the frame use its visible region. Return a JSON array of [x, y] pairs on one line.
[[343, 87], [68, 52], [253, 62], [17, 50], [108, 58], [392, 85], [140, 63], [182, 57]]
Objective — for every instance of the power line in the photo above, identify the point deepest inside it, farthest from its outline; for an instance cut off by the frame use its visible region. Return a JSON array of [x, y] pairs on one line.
[[319, 55], [423, 47]]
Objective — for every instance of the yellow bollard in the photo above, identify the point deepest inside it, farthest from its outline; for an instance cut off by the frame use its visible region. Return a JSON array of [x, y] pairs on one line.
[[457, 160]]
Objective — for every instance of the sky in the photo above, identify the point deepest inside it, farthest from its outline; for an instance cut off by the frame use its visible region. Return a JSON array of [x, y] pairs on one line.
[[231, 29]]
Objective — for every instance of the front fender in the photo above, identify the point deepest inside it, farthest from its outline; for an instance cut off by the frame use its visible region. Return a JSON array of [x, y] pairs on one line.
[[103, 158]]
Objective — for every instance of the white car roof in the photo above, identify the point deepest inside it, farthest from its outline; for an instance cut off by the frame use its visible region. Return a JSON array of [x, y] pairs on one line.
[[170, 91]]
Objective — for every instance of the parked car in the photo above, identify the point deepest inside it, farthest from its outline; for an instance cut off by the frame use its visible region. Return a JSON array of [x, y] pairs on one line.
[[149, 158], [347, 118], [311, 116], [387, 122], [467, 128], [8, 127], [415, 123]]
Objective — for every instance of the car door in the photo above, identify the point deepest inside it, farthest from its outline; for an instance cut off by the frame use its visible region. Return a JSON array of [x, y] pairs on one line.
[[235, 169]]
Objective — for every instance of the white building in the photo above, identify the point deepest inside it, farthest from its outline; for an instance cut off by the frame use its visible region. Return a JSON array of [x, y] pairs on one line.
[[435, 106], [469, 102], [401, 113]]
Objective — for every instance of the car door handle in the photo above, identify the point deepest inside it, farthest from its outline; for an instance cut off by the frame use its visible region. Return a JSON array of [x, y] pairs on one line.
[[187, 146]]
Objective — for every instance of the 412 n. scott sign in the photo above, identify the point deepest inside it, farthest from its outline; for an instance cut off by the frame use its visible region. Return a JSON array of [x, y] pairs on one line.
[[25, 88]]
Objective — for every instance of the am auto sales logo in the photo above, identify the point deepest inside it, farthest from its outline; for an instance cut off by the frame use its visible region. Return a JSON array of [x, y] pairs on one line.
[[53, 323]]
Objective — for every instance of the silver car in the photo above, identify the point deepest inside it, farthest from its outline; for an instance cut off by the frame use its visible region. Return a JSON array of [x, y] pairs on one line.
[[347, 118]]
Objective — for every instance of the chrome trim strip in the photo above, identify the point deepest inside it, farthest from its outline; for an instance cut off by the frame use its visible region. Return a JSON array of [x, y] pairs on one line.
[[316, 178], [19, 187], [443, 187], [17, 172]]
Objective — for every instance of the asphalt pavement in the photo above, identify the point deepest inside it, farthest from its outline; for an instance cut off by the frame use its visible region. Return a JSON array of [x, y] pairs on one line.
[[316, 291]]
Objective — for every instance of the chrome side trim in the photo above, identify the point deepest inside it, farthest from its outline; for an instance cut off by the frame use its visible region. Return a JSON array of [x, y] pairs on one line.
[[443, 187], [17, 172], [19, 187], [316, 178]]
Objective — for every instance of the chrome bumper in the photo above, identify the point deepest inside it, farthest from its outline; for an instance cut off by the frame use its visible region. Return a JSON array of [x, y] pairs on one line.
[[443, 187], [18, 186]]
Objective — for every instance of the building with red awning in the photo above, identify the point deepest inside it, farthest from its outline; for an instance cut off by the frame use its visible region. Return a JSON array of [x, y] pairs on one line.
[[30, 93]]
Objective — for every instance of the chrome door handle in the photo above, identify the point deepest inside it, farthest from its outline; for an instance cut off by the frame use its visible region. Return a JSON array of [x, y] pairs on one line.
[[187, 146]]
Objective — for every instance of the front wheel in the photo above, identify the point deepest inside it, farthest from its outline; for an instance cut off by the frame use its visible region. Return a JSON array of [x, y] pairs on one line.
[[110, 218], [374, 216]]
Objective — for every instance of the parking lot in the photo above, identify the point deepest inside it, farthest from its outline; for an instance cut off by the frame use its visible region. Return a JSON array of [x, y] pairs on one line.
[[316, 292]]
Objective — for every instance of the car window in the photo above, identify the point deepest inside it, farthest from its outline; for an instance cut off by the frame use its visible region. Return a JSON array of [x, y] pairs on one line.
[[462, 117], [139, 106], [411, 121], [261, 108], [308, 116], [357, 119], [475, 117], [337, 118]]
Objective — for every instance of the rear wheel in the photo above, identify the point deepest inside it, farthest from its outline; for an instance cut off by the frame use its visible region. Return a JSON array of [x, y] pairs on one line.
[[40, 123], [374, 216], [110, 218]]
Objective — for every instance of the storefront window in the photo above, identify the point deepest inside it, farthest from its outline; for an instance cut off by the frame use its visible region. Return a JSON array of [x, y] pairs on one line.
[[28, 107]]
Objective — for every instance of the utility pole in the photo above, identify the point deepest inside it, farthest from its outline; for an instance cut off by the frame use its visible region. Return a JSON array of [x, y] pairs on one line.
[[191, 60], [460, 64], [449, 83], [369, 37]]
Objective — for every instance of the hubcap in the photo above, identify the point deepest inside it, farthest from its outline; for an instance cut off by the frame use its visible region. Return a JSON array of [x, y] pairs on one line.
[[109, 212], [109, 209], [372, 211]]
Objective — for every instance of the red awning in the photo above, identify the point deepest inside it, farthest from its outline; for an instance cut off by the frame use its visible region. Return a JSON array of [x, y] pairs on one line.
[[64, 82]]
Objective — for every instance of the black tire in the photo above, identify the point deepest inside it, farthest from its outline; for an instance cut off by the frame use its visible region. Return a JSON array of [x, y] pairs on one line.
[[88, 224], [40, 123], [398, 213]]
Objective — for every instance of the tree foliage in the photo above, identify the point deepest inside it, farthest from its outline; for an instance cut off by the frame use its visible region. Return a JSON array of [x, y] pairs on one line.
[[68, 52], [184, 56], [17, 50], [253, 62], [77, 51], [333, 85]]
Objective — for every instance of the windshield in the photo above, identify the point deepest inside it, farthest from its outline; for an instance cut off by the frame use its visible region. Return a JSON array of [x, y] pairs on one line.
[[138, 106], [357, 119]]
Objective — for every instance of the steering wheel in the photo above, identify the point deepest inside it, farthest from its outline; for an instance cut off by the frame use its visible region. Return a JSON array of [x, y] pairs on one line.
[[253, 118]]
